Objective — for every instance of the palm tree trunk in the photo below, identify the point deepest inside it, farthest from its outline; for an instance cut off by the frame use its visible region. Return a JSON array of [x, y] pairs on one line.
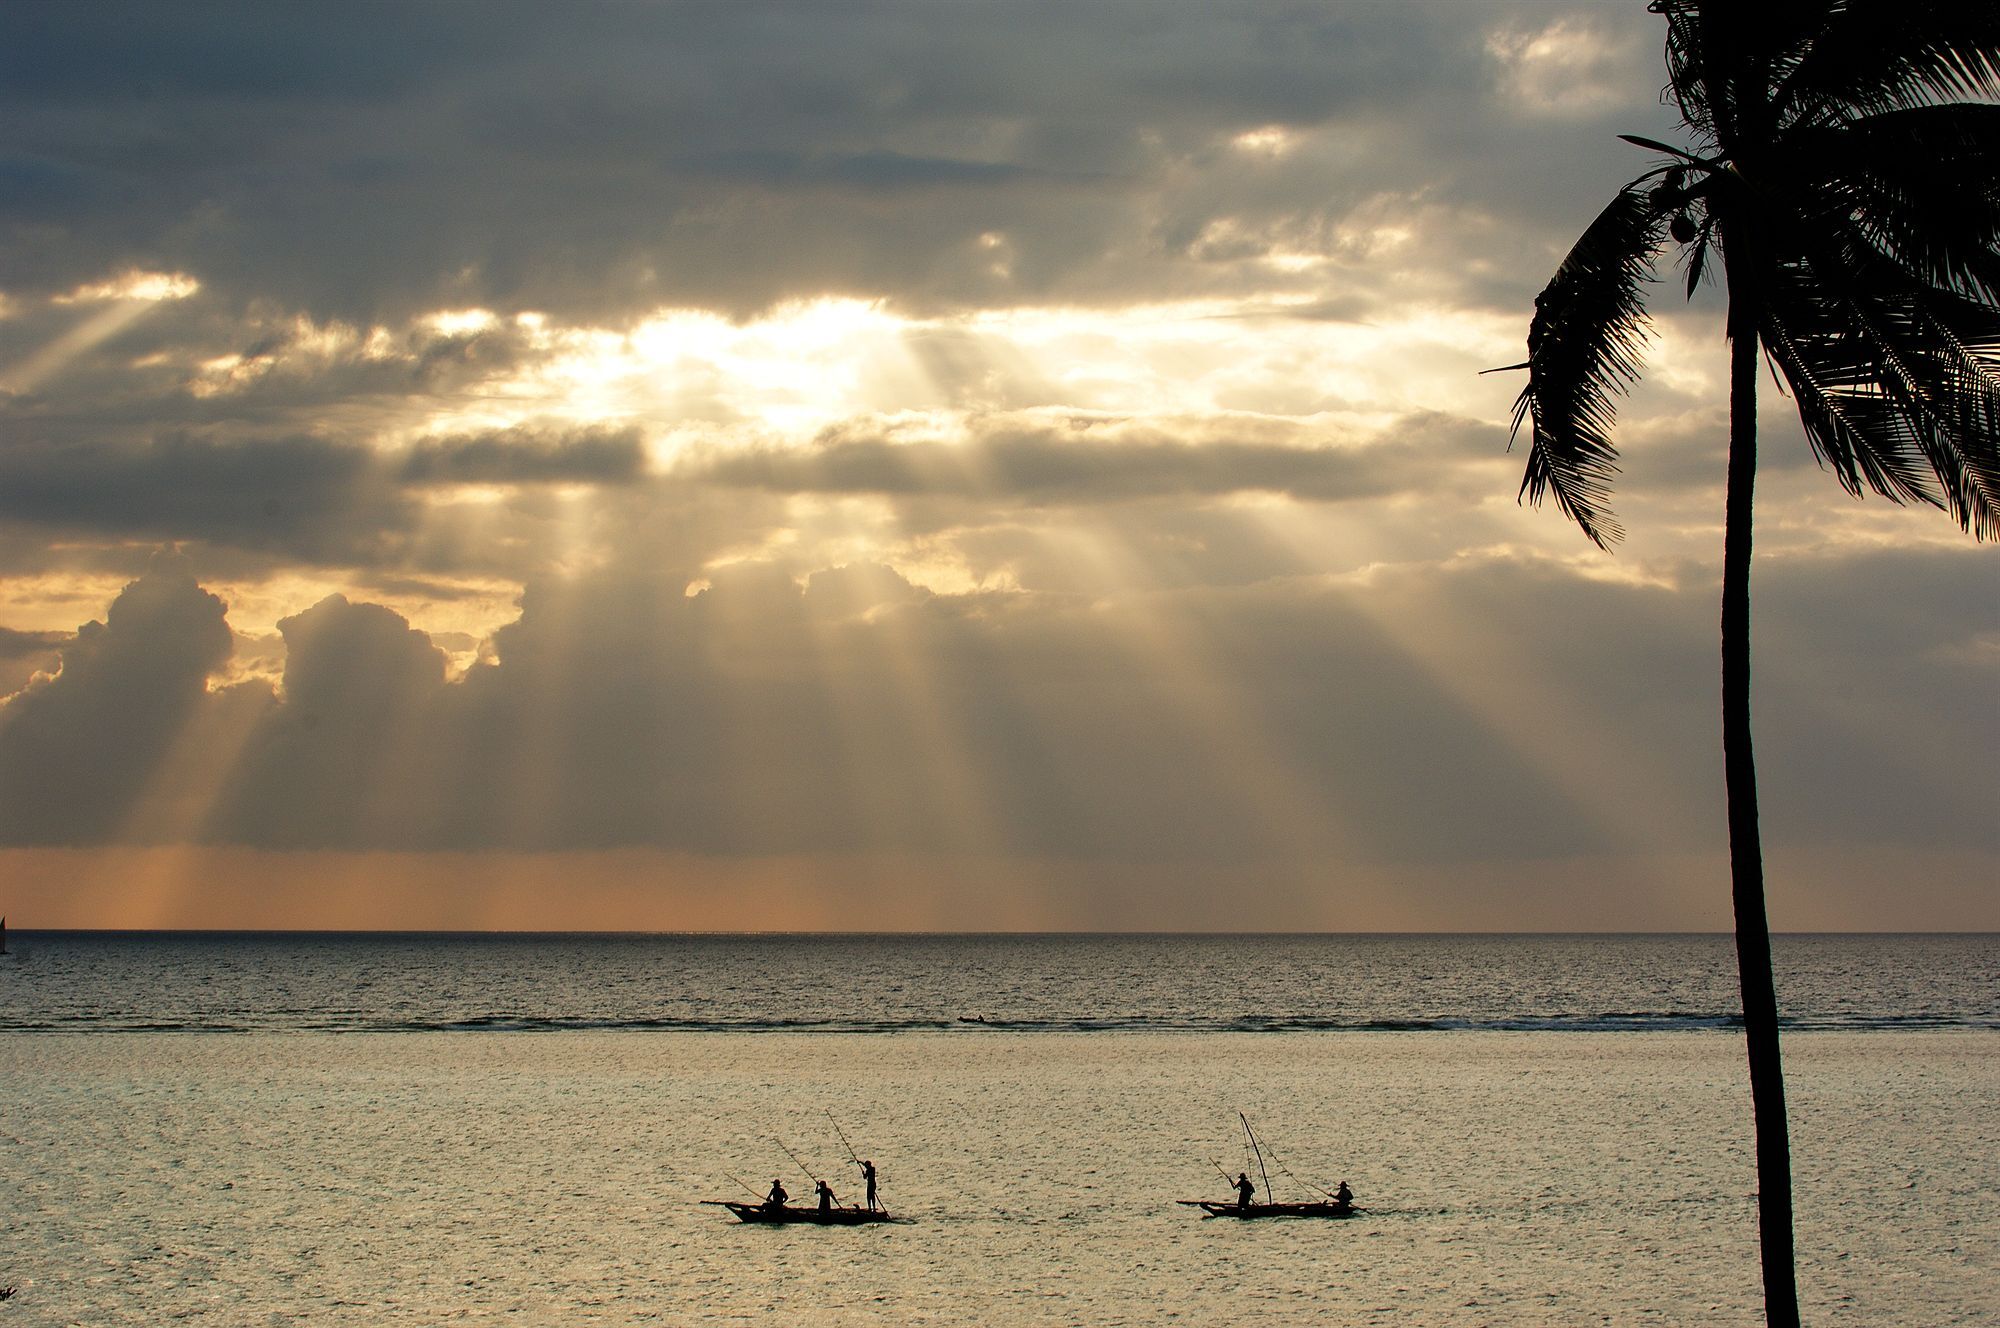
[[1746, 854]]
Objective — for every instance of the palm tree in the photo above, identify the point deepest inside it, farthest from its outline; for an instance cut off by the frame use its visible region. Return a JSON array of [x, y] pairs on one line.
[[1851, 196]]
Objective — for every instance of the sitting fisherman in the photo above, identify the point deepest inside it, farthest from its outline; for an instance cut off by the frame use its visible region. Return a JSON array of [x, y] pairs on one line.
[[776, 1198], [1244, 1189], [1343, 1197], [825, 1193]]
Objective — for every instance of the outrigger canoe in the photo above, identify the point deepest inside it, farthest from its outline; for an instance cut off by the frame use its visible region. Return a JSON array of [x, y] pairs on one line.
[[1317, 1208], [821, 1217]]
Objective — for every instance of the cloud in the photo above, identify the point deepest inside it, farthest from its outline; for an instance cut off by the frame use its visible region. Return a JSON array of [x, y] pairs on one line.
[[1491, 709], [77, 749], [302, 500], [1088, 460], [24, 654], [312, 499], [631, 157], [358, 688], [527, 455], [885, 172]]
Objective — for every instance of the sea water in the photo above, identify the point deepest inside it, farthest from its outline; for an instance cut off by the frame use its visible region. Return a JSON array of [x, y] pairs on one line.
[[419, 1130]]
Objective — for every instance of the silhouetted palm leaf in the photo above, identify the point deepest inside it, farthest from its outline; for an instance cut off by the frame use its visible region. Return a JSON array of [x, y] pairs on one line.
[[1921, 186], [1871, 56], [1583, 350]]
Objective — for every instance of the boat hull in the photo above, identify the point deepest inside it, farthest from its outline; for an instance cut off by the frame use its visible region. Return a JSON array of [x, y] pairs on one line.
[[1320, 1209], [818, 1217]]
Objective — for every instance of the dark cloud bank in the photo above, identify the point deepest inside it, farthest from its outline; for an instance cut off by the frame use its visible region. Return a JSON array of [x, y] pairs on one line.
[[597, 159], [859, 712]]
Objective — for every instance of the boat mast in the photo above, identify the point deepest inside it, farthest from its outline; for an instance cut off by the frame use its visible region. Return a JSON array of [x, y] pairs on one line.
[[1258, 1149]]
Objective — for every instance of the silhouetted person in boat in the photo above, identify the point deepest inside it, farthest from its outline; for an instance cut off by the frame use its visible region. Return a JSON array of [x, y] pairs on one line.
[[825, 1193], [1343, 1196], [776, 1198], [1244, 1189], [868, 1174]]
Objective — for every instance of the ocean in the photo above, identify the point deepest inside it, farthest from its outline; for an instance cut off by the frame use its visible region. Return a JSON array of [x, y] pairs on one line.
[[250, 1129]]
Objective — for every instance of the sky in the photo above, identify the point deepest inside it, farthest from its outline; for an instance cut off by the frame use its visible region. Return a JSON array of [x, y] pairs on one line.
[[895, 465]]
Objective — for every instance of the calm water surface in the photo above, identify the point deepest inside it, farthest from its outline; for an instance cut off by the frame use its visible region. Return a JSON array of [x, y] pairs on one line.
[[224, 982], [1512, 1174]]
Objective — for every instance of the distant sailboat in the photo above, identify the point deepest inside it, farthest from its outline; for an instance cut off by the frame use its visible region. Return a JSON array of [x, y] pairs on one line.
[[3, 933]]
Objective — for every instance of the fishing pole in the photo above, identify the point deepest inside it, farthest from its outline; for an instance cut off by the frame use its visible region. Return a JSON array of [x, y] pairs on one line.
[[1220, 1172], [795, 1157], [843, 1138], [745, 1184]]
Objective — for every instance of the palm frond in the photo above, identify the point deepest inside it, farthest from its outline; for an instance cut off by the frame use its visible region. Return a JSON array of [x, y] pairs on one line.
[[1583, 352], [1691, 71], [1898, 383], [1724, 57], [1922, 185], [1882, 55], [1852, 426]]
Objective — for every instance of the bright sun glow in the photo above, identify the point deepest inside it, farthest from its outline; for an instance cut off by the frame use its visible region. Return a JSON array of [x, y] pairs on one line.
[[150, 287], [1269, 141], [462, 322], [688, 376]]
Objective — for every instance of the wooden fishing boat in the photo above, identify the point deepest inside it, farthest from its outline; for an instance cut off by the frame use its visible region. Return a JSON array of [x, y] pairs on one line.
[[820, 1217], [1317, 1208], [1334, 1205]]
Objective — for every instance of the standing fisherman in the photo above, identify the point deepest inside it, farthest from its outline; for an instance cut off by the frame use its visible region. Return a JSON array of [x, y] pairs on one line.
[[868, 1174], [867, 1167], [1244, 1189]]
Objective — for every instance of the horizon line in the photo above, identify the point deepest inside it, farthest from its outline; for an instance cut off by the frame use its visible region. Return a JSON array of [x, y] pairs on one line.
[[918, 933]]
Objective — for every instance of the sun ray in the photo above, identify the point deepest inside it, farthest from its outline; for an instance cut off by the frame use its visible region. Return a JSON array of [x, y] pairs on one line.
[[127, 299], [1172, 653], [1616, 791]]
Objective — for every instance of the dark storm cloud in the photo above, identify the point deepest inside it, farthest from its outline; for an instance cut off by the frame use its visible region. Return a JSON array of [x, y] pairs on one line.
[[596, 159]]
